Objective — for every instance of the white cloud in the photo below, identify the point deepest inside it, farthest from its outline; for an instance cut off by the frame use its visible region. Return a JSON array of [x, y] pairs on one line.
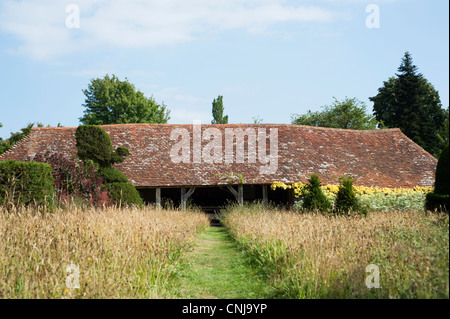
[[40, 26]]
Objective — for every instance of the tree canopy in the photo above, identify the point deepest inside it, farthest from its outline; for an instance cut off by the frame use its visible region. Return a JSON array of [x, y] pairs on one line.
[[346, 114], [217, 111], [15, 137], [409, 102], [111, 101]]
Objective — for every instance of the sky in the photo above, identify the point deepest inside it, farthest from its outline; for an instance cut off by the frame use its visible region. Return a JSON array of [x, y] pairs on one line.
[[269, 59]]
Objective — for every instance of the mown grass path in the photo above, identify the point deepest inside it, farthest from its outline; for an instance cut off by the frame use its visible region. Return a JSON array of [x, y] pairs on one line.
[[215, 268]]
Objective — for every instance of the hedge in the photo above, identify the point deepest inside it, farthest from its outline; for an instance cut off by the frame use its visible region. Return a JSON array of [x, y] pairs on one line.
[[25, 183]]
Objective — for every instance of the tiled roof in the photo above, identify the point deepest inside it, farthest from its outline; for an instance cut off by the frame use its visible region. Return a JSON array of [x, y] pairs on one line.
[[382, 158]]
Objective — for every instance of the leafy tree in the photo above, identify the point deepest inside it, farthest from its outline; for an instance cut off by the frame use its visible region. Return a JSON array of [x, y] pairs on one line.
[[346, 114], [217, 111], [111, 101], [409, 102], [14, 138]]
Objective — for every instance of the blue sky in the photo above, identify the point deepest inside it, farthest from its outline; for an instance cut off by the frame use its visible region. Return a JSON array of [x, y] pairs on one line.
[[268, 58]]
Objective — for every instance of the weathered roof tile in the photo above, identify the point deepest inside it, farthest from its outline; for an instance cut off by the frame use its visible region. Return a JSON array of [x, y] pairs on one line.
[[383, 158]]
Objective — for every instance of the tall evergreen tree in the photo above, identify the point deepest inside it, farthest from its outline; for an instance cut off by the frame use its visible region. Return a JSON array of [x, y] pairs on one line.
[[409, 102], [217, 111], [444, 132]]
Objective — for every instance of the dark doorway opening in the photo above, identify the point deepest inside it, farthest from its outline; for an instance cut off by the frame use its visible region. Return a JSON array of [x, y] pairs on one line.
[[281, 197], [211, 199], [148, 195]]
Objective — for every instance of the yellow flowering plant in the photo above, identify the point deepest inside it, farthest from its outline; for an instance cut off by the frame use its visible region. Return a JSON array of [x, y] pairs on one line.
[[373, 198]]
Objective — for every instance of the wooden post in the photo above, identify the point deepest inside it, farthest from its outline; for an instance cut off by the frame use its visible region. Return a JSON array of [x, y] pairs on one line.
[[233, 191], [185, 196], [265, 197], [241, 194], [158, 197]]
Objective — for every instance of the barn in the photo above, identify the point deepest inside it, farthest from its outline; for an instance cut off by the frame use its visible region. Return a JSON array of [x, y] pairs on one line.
[[209, 165]]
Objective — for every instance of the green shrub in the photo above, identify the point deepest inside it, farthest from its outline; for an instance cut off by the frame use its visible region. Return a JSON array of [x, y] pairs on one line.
[[124, 193], [346, 199], [111, 175], [314, 197], [25, 183]]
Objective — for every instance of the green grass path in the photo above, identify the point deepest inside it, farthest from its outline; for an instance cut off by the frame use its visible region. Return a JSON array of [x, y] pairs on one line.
[[215, 268]]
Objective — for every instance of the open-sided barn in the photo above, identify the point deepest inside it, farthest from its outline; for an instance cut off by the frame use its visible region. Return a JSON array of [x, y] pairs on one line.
[[210, 164]]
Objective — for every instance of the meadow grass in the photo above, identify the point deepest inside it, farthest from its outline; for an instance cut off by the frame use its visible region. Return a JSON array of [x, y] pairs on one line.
[[315, 255], [120, 253]]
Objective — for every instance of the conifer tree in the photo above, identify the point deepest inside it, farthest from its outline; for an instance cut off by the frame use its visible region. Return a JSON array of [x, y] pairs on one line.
[[217, 111], [409, 102]]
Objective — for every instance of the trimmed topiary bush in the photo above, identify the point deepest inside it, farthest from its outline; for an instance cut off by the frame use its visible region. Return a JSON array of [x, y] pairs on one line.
[[346, 199], [313, 196], [111, 175], [439, 199], [94, 144], [124, 193], [26, 183]]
